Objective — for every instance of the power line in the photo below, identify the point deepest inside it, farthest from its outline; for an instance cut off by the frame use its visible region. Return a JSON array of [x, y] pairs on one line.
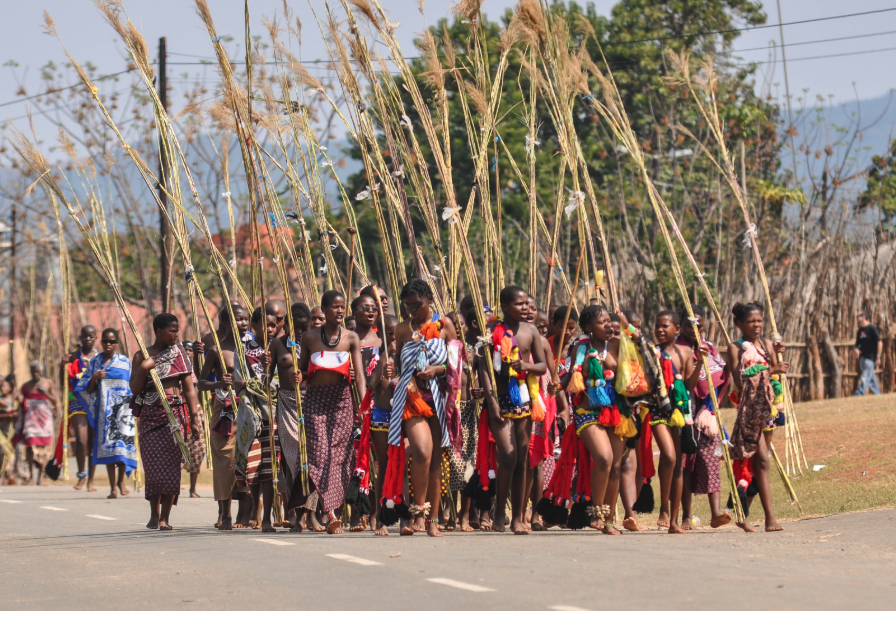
[[55, 90], [867, 51], [747, 28], [856, 36]]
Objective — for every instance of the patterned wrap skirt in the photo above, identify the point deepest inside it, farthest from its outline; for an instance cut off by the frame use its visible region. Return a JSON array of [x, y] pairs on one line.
[[288, 433], [329, 413], [159, 450], [470, 432]]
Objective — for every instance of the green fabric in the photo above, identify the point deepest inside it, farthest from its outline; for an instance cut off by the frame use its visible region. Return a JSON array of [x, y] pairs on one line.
[[753, 370]]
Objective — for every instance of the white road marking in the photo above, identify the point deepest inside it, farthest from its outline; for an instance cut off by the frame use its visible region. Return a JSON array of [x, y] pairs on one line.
[[352, 559], [98, 517], [54, 509], [459, 585], [8, 501], [568, 608], [274, 542]]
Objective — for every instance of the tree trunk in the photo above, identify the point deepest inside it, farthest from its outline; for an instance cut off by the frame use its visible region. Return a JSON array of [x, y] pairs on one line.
[[835, 387], [816, 378]]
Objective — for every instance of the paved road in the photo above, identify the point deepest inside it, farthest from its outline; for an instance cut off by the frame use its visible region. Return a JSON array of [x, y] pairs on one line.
[[62, 549]]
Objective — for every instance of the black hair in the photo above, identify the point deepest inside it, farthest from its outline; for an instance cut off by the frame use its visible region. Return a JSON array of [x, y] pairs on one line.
[[227, 313], [673, 316], [356, 303], [391, 320], [742, 310], [301, 311], [698, 311], [465, 305], [114, 333], [416, 288], [470, 318], [510, 293], [329, 297], [88, 328], [256, 316], [163, 320], [631, 315], [615, 317], [560, 314], [863, 314], [588, 314], [371, 291]]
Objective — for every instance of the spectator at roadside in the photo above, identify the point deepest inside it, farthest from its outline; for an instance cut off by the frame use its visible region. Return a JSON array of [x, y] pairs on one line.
[[868, 351]]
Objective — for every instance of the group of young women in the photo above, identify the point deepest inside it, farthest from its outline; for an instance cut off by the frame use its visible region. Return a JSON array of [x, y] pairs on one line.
[[563, 433]]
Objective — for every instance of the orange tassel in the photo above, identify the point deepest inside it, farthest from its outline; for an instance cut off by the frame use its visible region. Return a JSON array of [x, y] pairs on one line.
[[415, 405], [432, 330], [576, 383]]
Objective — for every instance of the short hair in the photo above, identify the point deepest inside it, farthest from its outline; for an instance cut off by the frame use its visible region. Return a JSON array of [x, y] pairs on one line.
[[356, 303], [416, 288], [470, 318], [114, 332], [273, 305], [864, 314], [742, 310], [329, 297], [509, 293], [697, 310], [36, 365], [372, 291], [391, 320], [615, 317], [301, 311], [163, 320], [560, 314], [589, 312], [227, 312], [256, 316], [631, 315], [88, 328], [673, 316], [465, 305]]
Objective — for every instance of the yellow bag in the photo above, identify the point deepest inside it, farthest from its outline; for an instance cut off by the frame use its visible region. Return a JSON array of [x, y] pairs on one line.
[[631, 379]]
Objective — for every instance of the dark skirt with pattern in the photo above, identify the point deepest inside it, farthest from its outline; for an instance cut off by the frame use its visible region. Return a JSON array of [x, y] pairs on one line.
[[704, 465], [328, 411], [159, 450], [467, 456]]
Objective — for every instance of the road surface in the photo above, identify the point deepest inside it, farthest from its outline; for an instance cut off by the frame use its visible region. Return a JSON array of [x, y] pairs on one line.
[[63, 550]]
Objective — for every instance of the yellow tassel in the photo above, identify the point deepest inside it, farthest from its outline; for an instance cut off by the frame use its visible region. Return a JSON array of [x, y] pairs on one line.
[[537, 408], [576, 383], [643, 410], [626, 428], [677, 419]]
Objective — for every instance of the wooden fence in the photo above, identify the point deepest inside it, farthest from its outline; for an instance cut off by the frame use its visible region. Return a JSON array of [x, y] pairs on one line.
[[826, 369]]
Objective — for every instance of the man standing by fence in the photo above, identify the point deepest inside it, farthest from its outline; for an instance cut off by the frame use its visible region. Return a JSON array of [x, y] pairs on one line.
[[868, 351]]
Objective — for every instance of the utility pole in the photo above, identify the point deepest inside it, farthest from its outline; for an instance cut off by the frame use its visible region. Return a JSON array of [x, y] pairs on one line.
[[167, 241], [12, 292]]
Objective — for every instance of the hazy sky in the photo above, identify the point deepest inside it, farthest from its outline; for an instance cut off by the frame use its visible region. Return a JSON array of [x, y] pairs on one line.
[[88, 38]]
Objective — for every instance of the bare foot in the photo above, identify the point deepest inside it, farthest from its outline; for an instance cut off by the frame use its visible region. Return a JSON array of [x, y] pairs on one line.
[[519, 528], [298, 527], [220, 520], [226, 524], [772, 525], [663, 521], [123, 490], [450, 525], [720, 521], [674, 528], [485, 525], [609, 529], [267, 527], [80, 483], [112, 495], [334, 527], [746, 526], [537, 526], [597, 525], [498, 524], [687, 524], [239, 525], [283, 524], [433, 530], [475, 525], [153, 522], [361, 526], [466, 528], [632, 524], [194, 495], [316, 526], [91, 487], [419, 525], [164, 526], [253, 524]]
